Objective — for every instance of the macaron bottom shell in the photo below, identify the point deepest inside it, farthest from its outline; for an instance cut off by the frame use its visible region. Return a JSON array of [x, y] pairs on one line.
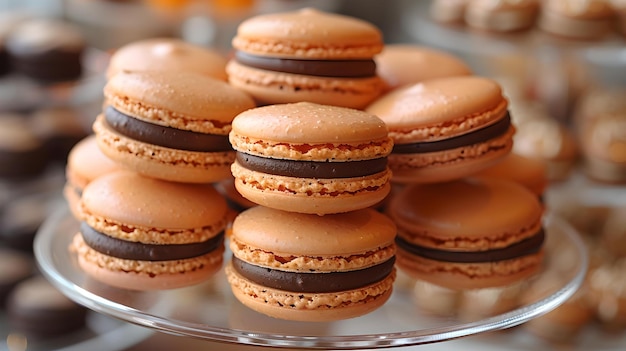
[[146, 275], [461, 276], [271, 87], [442, 166], [310, 307], [316, 203], [161, 162]]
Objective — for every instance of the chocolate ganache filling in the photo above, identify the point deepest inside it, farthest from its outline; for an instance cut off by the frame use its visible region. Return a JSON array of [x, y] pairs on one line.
[[313, 282], [312, 169], [320, 68], [131, 250], [478, 136], [165, 136], [525, 247]]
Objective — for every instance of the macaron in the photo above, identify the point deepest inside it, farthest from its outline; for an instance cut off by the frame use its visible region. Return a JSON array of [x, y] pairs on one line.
[[448, 11], [306, 55], [529, 172], [603, 145], [85, 163], [60, 128], [547, 140], [22, 152], [469, 234], [401, 64], [47, 50], [170, 125], [15, 267], [39, 311], [588, 20], [142, 233], [446, 128], [306, 267], [167, 54], [502, 15], [311, 158]]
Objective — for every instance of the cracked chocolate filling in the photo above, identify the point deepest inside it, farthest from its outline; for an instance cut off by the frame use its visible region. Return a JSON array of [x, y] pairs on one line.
[[313, 282], [478, 136], [165, 136], [137, 251], [525, 247], [320, 68], [312, 169]]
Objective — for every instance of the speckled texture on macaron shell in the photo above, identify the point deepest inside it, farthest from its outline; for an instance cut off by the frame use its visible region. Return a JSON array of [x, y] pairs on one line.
[[306, 34], [311, 244], [167, 54], [130, 207], [440, 109], [179, 100], [469, 215], [310, 132]]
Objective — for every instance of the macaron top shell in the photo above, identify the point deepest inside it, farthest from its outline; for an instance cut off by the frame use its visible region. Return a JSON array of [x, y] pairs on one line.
[[503, 5], [168, 54], [529, 172], [440, 108], [400, 64], [131, 199], [181, 100], [591, 9], [298, 130], [287, 233], [86, 162], [308, 34], [468, 214]]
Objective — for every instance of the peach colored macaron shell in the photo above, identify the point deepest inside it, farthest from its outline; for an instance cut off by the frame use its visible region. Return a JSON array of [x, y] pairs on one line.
[[445, 129], [142, 233], [306, 55], [170, 125], [470, 233], [85, 163], [401, 64], [311, 158], [312, 268], [167, 54], [502, 15], [529, 172]]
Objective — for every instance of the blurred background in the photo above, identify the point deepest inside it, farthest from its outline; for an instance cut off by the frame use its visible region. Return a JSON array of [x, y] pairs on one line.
[[567, 97]]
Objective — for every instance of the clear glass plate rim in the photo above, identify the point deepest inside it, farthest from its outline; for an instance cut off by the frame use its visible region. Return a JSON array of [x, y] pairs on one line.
[[369, 341]]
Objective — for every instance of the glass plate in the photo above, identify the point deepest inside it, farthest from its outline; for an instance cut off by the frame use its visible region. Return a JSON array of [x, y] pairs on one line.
[[209, 311]]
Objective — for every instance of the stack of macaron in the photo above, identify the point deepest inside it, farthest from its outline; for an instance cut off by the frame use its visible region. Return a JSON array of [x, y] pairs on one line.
[[151, 219], [463, 226], [314, 249]]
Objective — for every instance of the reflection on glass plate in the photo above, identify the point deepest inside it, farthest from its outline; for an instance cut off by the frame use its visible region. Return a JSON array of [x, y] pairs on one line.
[[209, 311]]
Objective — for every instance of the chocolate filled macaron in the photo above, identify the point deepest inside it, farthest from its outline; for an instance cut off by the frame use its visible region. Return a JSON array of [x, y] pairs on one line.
[[502, 15], [142, 233], [529, 172], [470, 233], [60, 128], [306, 267], [575, 19], [446, 128], [311, 158], [401, 64], [39, 311], [85, 163], [167, 54], [170, 125], [307, 55], [47, 50], [22, 152]]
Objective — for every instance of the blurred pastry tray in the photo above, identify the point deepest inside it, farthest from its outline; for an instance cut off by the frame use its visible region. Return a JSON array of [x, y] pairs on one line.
[[210, 312]]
